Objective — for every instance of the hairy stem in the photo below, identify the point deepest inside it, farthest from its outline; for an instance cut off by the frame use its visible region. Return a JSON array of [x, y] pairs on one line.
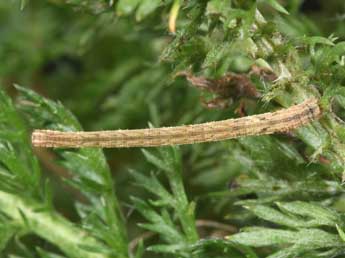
[[50, 226]]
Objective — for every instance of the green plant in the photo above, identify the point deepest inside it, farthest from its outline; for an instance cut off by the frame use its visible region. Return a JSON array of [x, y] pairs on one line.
[[114, 65]]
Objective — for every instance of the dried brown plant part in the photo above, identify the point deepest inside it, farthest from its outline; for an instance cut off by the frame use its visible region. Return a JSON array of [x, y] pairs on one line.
[[263, 73], [268, 123], [324, 160], [200, 82], [204, 223], [216, 103], [240, 110], [240, 86], [230, 85], [227, 88]]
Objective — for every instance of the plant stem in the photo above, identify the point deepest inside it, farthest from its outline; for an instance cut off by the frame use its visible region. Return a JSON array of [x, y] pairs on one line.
[[51, 226]]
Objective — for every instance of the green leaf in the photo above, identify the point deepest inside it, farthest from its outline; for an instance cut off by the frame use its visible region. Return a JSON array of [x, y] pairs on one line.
[[161, 224], [90, 171], [287, 252], [306, 238], [313, 215], [17, 159], [340, 232], [152, 185], [317, 40], [46, 254], [321, 215], [264, 237], [277, 217], [276, 5], [22, 4], [125, 7], [169, 161], [146, 7], [7, 232], [166, 248], [159, 163]]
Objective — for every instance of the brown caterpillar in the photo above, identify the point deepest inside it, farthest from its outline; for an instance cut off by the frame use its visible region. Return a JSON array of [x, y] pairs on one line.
[[268, 123]]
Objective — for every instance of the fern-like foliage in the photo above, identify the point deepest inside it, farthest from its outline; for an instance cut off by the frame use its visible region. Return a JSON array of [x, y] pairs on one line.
[[164, 223], [91, 175], [27, 203], [119, 64], [302, 237]]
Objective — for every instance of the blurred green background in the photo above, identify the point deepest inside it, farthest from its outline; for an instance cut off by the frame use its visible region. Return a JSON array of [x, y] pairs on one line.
[[107, 69]]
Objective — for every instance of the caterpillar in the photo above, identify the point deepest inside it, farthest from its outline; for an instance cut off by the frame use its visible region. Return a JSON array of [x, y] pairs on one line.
[[267, 123]]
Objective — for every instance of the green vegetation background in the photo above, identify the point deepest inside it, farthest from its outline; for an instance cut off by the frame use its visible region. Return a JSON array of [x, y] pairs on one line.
[[112, 64]]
